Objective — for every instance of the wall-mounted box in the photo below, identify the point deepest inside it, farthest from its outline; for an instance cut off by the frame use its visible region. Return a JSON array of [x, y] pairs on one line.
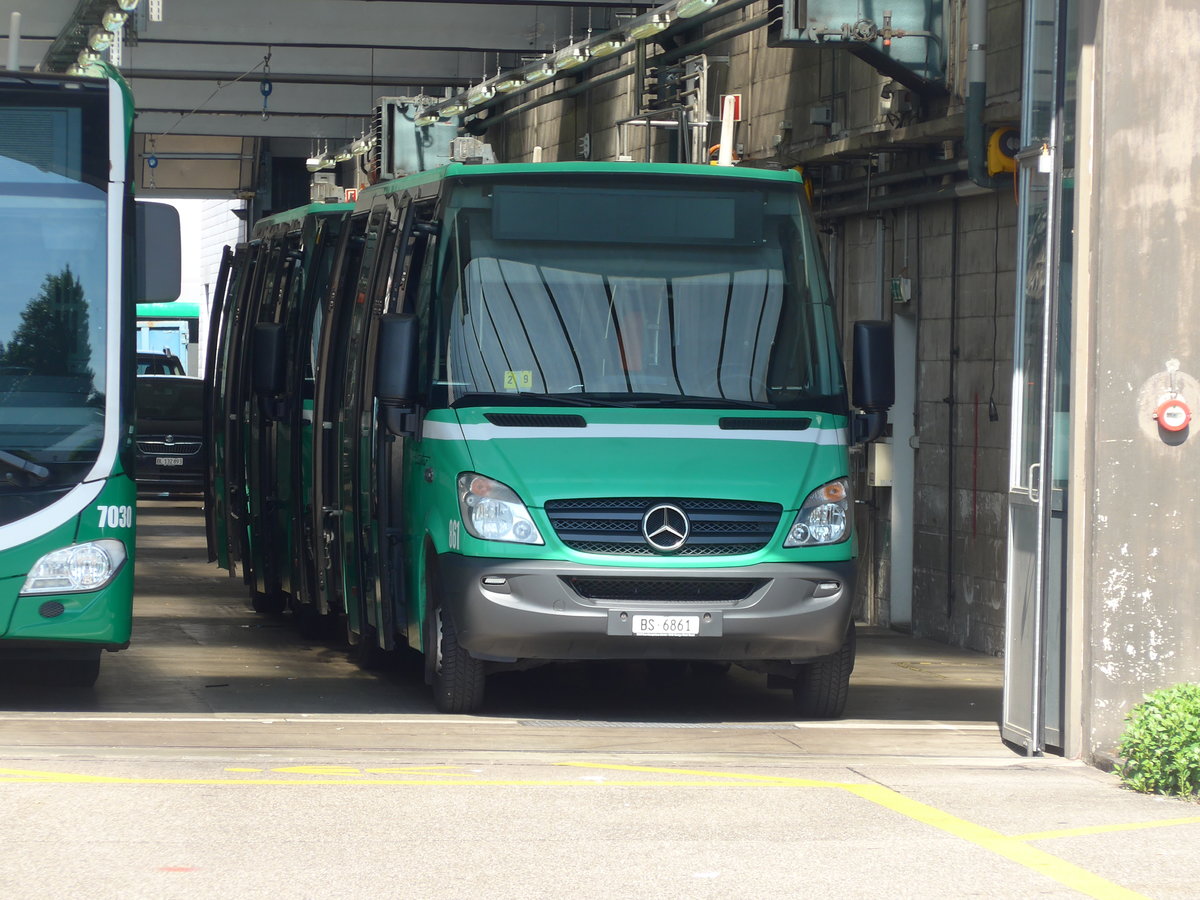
[[879, 464]]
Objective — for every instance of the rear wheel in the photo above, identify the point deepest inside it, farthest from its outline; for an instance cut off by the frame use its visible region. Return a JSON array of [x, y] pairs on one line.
[[821, 687], [272, 604], [457, 677]]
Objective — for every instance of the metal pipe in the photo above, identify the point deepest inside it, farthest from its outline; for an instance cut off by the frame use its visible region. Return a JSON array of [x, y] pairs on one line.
[[480, 126], [902, 198], [977, 34], [14, 42], [845, 187]]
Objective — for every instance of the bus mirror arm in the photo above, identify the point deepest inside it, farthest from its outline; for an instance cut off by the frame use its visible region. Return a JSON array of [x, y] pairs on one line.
[[400, 421], [874, 378], [868, 426]]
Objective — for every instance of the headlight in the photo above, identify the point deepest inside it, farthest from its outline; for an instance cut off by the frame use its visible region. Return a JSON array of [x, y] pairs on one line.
[[824, 518], [493, 512], [82, 567]]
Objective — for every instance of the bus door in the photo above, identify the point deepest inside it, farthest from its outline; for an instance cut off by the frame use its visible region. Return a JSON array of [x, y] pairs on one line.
[[214, 384], [355, 525], [332, 362], [382, 474]]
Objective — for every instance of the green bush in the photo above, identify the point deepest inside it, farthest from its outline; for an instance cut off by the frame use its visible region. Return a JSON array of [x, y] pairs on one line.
[[1161, 744]]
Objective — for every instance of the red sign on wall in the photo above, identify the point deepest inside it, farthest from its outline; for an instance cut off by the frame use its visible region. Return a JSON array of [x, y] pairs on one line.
[[737, 106]]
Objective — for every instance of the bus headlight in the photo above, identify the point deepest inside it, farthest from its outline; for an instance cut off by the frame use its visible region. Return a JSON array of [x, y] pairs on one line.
[[492, 511], [81, 567], [824, 518]]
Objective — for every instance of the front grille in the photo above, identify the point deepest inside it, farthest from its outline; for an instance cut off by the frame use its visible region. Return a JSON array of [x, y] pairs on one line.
[[162, 448], [703, 590], [613, 525]]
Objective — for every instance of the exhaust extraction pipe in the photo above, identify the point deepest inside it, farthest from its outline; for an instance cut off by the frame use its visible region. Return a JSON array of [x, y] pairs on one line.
[[975, 139], [14, 42]]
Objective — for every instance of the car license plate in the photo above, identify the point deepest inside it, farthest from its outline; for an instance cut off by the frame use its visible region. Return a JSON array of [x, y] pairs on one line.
[[666, 626], [168, 460]]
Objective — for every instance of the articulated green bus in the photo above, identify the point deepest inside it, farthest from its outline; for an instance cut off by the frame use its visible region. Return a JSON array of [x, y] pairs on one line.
[[68, 229], [566, 411]]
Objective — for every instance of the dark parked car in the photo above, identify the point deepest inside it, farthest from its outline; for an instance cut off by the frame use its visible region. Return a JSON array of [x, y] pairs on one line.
[[170, 457], [164, 363]]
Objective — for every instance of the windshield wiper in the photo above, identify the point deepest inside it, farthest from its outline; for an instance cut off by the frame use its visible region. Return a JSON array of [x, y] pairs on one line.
[[525, 398], [14, 463], [691, 400]]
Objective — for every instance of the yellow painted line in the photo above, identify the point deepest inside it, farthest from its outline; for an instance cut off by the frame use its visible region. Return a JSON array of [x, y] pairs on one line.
[[1014, 849], [1017, 849], [1105, 829]]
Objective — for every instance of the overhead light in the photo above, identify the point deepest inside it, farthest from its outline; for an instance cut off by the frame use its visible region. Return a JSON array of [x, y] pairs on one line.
[[315, 163], [99, 39], [453, 107], [481, 94], [87, 57], [128, 5], [426, 118], [688, 8], [540, 72], [75, 69], [114, 20], [606, 46], [570, 58], [362, 145], [649, 26], [510, 83], [343, 155]]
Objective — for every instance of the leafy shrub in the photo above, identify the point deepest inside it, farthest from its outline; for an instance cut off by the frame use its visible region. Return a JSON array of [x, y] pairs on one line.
[[1161, 743]]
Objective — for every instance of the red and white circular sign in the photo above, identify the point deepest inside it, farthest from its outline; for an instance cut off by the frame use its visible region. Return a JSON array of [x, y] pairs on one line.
[[1173, 415]]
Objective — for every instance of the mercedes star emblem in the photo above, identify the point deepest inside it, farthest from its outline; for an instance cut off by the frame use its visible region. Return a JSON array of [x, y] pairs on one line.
[[665, 527]]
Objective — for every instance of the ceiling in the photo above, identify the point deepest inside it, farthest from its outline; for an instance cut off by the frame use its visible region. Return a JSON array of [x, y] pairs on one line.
[[199, 67]]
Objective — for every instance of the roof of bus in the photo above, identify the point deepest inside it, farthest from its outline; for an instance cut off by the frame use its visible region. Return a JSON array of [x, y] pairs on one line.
[[460, 170], [295, 216]]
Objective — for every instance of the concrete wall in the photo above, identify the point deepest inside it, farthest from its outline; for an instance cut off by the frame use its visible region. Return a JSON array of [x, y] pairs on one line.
[[1138, 580]]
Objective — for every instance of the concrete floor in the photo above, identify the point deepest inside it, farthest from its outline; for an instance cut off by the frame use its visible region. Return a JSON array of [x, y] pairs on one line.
[[222, 755]]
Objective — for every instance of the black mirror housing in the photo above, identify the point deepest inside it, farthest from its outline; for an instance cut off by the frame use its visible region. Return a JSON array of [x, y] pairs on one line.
[[268, 359], [396, 369], [874, 366]]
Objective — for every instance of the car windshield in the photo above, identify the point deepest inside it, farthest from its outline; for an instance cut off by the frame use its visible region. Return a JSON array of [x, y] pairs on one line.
[[635, 293], [169, 398], [53, 323]]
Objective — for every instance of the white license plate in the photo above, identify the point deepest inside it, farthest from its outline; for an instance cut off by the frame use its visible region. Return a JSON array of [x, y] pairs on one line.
[[168, 460], [667, 626]]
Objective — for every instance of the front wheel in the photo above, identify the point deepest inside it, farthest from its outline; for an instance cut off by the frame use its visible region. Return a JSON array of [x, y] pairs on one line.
[[456, 676], [72, 671], [821, 687]]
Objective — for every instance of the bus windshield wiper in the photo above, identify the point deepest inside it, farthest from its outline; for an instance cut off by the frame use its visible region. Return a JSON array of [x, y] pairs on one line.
[[525, 398], [700, 402], [13, 463]]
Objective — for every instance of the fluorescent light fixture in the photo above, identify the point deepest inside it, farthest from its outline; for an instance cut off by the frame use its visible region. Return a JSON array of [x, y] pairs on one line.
[[540, 71], [343, 155], [362, 145], [315, 163], [128, 5], [99, 39], [570, 58], [87, 57], [453, 107], [606, 46], [688, 8], [481, 94], [426, 118], [510, 83], [649, 26]]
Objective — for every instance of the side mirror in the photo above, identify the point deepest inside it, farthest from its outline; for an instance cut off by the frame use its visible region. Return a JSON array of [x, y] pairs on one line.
[[396, 369], [267, 376], [874, 389], [158, 253]]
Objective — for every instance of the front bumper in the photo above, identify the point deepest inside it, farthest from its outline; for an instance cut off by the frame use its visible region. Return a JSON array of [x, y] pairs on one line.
[[506, 610]]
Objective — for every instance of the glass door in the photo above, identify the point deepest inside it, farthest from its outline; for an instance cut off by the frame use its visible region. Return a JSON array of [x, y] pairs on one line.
[[1033, 682]]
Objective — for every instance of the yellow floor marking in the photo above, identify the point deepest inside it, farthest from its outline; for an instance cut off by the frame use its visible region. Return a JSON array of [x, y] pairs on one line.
[[1015, 849], [1105, 829]]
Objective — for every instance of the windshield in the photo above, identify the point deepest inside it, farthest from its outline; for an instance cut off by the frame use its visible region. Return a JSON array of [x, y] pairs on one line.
[[53, 319], [635, 292]]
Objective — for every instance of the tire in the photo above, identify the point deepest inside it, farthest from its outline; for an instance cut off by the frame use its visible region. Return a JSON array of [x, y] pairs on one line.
[[272, 604], [821, 687], [365, 649], [312, 625], [74, 672], [457, 677]]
